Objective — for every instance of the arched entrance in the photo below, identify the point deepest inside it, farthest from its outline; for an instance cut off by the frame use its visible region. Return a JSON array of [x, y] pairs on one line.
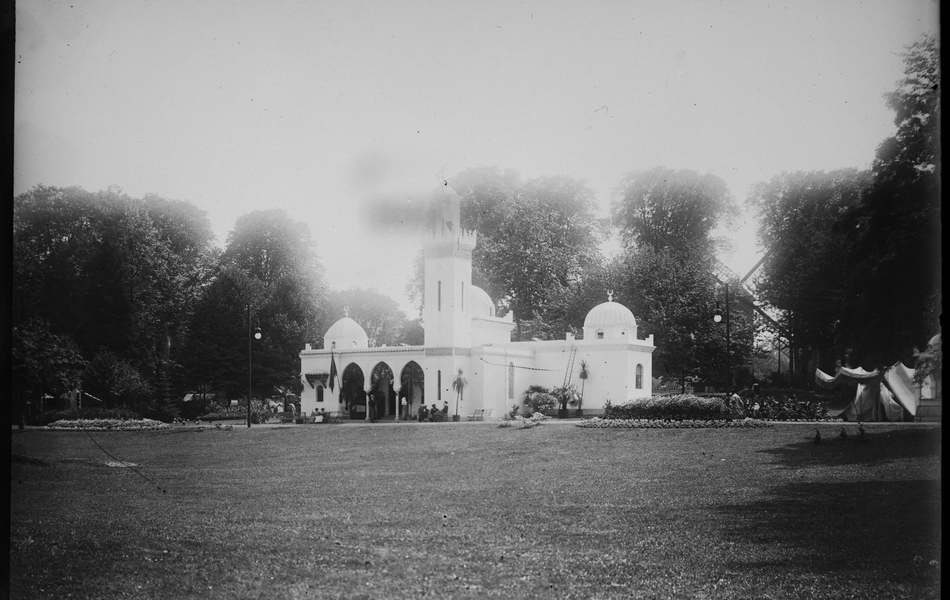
[[412, 387], [351, 392], [381, 390]]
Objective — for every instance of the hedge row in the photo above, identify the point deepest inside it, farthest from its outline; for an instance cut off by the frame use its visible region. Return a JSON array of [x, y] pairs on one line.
[[674, 408]]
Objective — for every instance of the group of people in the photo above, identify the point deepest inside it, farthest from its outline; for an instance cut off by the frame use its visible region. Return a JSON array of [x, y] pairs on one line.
[[433, 414]]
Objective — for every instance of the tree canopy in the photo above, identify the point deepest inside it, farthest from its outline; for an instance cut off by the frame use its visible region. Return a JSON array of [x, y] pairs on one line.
[[382, 319], [534, 235], [660, 207], [855, 262]]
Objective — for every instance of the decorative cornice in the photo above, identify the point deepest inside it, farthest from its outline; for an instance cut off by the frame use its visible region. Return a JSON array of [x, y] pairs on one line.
[[448, 351], [379, 350]]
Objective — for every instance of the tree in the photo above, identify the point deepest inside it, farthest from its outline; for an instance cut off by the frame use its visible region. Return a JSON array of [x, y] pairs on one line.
[[273, 261], [458, 384], [897, 233], [533, 235], [802, 219], [662, 206], [378, 315], [565, 395], [584, 375], [116, 381], [42, 364], [674, 298], [110, 271], [216, 350]]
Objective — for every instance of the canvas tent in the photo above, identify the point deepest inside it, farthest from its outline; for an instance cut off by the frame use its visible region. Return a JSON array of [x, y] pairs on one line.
[[881, 394]]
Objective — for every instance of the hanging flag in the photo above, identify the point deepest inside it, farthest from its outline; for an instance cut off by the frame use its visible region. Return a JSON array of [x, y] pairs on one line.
[[332, 370]]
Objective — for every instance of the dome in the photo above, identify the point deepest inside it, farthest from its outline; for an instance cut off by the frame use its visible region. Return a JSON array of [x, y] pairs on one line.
[[610, 321], [347, 333], [610, 314], [481, 303]]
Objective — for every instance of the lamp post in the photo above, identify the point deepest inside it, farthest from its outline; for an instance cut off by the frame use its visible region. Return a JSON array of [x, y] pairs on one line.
[[256, 336], [717, 317]]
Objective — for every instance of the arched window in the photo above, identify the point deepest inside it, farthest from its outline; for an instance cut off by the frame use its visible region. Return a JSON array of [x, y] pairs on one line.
[[439, 304], [639, 382], [463, 296], [319, 393], [511, 381], [600, 334], [439, 384]]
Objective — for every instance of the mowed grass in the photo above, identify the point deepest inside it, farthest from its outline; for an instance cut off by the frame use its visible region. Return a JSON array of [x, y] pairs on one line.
[[470, 510]]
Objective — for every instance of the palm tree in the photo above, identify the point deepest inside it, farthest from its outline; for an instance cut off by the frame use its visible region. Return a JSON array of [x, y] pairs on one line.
[[584, 374], [458, 384]]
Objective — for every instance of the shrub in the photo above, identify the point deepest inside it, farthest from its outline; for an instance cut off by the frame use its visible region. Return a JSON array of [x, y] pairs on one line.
[[160, 410], [539, 399], [785, 407], [259, 413], [670, 408], [71, 414], [566, 395]]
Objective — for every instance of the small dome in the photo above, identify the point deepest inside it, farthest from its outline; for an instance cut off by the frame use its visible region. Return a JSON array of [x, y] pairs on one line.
[[347, 333], [481, 303], [610, 314]]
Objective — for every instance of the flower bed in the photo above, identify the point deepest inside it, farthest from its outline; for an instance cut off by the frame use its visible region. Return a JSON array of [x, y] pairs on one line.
[[107, 425], [519, 422], [597, 422]]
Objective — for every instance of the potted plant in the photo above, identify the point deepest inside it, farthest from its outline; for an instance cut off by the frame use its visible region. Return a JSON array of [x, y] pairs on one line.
[[458, 384], [584, 374], [566, 396], [537, 398]]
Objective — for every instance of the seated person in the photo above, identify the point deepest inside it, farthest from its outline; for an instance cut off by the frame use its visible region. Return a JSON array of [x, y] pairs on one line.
[[423, 413], [445, 410], [435, 415]]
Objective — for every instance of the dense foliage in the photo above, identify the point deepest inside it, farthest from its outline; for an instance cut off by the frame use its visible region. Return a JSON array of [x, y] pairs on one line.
[[536, 238], [662, 207], [380, 316], [538, 399], [854, 264], [671, 408], [259, 413], [674, 298], [785, 407], [128, 299]]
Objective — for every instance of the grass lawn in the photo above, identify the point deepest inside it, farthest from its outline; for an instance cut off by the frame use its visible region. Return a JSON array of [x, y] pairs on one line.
[[469, 510]]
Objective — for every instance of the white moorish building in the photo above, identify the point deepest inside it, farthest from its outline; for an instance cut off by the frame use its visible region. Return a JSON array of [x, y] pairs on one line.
[[463, 332]]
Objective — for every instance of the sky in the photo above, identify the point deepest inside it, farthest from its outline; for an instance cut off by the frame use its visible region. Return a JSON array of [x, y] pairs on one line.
[[319, 107]]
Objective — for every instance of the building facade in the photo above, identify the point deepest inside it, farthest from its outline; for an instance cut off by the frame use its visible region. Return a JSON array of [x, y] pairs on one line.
[[463, 333]]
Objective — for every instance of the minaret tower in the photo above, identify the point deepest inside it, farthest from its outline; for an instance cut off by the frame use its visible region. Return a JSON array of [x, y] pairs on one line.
[[446, 312]]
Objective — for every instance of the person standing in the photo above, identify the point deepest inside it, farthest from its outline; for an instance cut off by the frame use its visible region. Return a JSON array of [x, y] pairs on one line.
[[405, 408]]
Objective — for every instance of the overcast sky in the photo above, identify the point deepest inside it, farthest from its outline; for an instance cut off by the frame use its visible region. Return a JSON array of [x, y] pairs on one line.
[[315, 106]]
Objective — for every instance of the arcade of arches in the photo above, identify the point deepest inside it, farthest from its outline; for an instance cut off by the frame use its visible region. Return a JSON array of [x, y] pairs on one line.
[[380, 397]]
